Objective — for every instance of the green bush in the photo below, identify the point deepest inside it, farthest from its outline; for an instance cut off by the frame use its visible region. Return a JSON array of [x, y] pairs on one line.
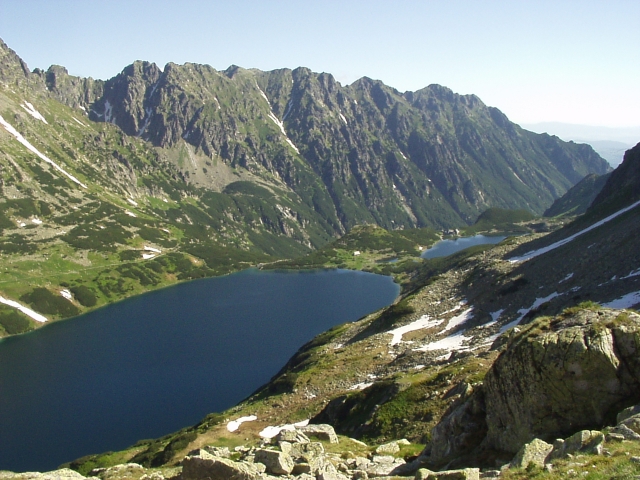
[[46, 302], [84, 295], [14, 322]]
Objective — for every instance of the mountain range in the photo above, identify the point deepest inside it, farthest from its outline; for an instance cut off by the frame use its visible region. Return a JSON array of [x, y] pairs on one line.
[[211, 171]]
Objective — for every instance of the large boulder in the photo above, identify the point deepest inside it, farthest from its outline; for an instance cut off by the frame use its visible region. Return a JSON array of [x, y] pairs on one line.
[[278, 463], [462, 474], [535, 452], [61, 474], [205, 465], [556, 376], [321, 432]]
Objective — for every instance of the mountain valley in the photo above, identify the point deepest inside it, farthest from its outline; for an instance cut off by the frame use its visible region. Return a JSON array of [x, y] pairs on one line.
[[113, 188]]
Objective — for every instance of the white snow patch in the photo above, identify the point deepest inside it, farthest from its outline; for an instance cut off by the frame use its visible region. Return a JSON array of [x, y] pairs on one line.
[[233, 425], [635, 273], [423, 322], [360, 386], [458, 320], [33, 112], [147, 119], [524, 311], [559, 243], [343, 119], [66, 294], [626, 301], [132, 202], [82, 108], [131, 214], [403, 155], [289, 105], [451, 343], [22, 224], [264, 95], [108, 110], [27, 311], [566, 278], [30, 147], [516, 175], [79, 122], [271, 431], [148, 256], [36, 221], [281, 125], [151, 249]]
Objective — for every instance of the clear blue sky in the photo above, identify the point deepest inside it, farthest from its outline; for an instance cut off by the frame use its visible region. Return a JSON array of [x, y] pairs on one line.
[[536, 60]]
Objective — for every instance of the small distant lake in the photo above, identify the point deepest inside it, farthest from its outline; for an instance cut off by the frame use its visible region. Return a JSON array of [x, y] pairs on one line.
[[156, 363], [448, 247]]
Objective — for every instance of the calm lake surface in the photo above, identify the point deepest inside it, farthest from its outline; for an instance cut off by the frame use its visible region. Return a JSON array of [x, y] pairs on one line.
[[448, 247], [156, 363]]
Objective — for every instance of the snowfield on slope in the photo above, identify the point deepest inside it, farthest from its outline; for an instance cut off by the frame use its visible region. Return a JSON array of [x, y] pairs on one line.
[[9, 128], [564, 241]]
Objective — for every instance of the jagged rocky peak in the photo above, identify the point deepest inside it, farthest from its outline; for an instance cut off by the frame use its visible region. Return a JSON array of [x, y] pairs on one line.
[[12, 68]]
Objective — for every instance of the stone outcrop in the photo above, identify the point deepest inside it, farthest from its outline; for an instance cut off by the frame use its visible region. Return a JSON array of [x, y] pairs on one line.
[[205, 465], [61, 474], [278, 463], [557, 376], [535, 452]]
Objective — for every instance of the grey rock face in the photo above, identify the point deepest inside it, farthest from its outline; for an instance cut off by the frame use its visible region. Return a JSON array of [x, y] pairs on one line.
[[321, 432], [215, 468], [462, 474], [278, 463], [535, 452], [62, 474], [554, 379], [556, 376]]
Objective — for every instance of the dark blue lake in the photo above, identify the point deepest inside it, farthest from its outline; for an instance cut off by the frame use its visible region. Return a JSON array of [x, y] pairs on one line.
[[448, 247], [153, 364]]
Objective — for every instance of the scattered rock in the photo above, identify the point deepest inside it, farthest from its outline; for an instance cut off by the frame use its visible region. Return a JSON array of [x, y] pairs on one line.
[[61, 474], [624, 431], [534, 452], [613, 437], [383, 465], [207, 466], [121, 472], [218, 451], [585, 441], [278, 463], [292, 436], [321, 432], [462, 474], [391, 447]]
